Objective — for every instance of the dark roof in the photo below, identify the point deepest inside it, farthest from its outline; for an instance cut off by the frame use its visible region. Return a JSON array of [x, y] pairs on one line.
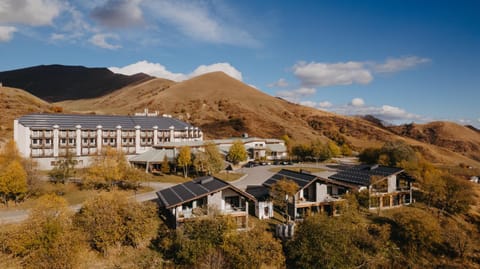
[[302, 179], [259, 192], [66, 121], [194, 189], [362, 174]]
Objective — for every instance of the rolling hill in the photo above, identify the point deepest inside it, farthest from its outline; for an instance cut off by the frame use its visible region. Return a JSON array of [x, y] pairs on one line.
[[224, 107], [60, 82], [15, 103]]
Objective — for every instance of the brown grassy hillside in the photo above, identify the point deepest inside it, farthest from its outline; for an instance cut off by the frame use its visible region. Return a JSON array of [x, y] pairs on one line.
[[63, 82], [223, 107], [15, 103], [457, 138]]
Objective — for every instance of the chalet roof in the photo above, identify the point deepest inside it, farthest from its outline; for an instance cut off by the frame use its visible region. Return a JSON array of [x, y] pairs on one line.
[[362, 174], [302, 179], [110, 122], [259, 192], [194, 189]]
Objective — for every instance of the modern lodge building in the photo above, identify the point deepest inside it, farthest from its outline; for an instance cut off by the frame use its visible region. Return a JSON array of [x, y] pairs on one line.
[[46, 137]]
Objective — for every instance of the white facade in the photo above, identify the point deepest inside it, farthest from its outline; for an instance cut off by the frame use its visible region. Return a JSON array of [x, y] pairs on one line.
[[45, 144]]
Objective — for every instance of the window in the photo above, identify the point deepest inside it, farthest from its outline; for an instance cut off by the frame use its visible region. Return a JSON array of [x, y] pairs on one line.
[[48, 141], [85, 141], [234, 203], [71, 141], [105, 141], [63, 141], [35, 141], [112, 140], [92, 140]]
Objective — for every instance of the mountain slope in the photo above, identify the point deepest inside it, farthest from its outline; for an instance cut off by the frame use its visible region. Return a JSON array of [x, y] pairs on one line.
[[59, 82], [15, 103], [224, 107], [452, 136]]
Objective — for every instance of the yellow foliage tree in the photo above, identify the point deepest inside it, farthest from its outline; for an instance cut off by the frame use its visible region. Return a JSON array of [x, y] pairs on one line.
[[184, 159], [13, 181], [106, 169]]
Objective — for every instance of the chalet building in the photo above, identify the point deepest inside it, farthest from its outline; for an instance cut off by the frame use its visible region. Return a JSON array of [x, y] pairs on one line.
[[387, 186], [46, 137], [257, 148], [202, 197], [315, 194]]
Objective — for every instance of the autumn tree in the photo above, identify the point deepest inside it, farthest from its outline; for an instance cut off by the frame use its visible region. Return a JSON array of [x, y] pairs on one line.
[[256, 248], [302, 151], [111, 219], [198, 242], [64, 168], [47, 238], [416, 231], [209, 161], [184, 159], [282, 193], [13, 181], [165, 168], [106, 169], [237, 153], [342, 242]]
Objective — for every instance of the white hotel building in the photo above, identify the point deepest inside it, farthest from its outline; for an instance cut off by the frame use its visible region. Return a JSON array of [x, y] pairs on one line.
[[46, 137]]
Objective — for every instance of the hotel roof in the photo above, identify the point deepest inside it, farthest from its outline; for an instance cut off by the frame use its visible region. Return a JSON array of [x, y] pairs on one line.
[[110, 122]]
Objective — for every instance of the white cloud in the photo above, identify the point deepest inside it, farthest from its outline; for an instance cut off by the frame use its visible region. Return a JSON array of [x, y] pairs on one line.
[[101, 40], [199, 21], [295, 95], [281, 83], [357, 102], [328, 74], [224, 67], [118, 13], [6, 33], [308, 103], [325, 104], [386, 113], [398, 64], [318, 74], [29, 12], [158, 70]]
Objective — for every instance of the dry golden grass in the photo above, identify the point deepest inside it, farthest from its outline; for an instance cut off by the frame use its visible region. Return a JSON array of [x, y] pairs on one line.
[[15, 103], [225, 107]]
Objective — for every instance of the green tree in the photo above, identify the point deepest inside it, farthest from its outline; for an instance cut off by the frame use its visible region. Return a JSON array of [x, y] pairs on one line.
[[301, 151], [282, 193], [64, 169], [111, 219], [237, 153], [184, 159], [326, 242], [165, 166], [13, 181]]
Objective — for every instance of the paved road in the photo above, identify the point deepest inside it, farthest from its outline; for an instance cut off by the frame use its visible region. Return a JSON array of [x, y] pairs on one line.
[[12, 216]]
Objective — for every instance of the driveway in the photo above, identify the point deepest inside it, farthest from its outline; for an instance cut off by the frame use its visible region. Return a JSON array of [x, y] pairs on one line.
[[12, 216]]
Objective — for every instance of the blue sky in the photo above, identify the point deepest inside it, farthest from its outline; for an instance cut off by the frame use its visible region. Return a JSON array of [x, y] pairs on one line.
[[402, 61]]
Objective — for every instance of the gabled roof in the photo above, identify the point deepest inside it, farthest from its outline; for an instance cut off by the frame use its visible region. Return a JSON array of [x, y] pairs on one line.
[[259, 192], [362, 174], [110, 122], [302, 179], [195, 189]]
